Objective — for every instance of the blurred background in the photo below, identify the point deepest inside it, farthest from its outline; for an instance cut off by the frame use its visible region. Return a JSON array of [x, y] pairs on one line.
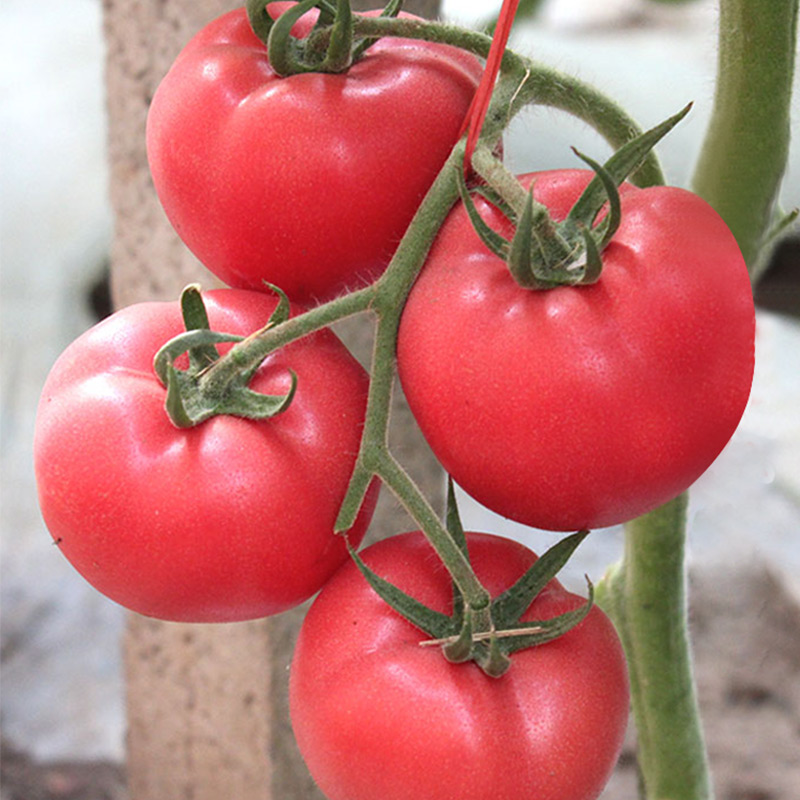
[[61, 674]]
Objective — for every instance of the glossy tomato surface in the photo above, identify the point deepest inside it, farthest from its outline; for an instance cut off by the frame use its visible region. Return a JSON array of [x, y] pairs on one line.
[[230, 520], [378, 716], [307, 181], [582, 407]]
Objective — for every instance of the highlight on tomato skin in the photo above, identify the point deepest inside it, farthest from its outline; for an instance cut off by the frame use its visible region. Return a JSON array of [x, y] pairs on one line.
[[307, 181], [582, 407], [377, 715], [226, 521]]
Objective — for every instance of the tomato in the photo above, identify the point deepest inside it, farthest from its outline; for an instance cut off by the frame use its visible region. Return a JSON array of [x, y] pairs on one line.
[[377, 715], [229, 520], [582, 407], [308, 181]]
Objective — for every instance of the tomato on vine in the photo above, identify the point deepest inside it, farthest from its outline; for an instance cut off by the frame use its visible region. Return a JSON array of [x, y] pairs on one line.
[[226, 520], [378, 714], [582, 406], [307, 181]]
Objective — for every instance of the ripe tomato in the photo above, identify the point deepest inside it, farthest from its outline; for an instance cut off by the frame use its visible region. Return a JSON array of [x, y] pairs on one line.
[[229, 520], [582, 407], [308, 181], [377, 715]]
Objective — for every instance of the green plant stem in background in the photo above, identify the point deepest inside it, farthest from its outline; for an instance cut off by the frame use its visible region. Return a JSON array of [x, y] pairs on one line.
[[744, 154], [646, 597]]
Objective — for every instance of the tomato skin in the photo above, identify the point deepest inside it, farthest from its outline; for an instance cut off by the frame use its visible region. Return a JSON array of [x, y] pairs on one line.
[[587, 406], [226, 521], [309, 181], [377, 715]]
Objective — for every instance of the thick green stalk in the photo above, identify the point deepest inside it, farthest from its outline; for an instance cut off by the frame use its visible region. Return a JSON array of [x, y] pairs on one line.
[[646, 597], [744, 153]]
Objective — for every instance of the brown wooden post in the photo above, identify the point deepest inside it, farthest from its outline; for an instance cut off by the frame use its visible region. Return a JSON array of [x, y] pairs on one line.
[[207, 711]]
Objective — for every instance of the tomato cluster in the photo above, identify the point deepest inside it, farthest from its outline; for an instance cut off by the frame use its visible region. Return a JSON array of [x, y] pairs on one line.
[[568, 408]]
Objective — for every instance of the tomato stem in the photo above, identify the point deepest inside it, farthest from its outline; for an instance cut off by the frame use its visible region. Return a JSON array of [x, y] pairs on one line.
[[390, 292], [260, 20], [393, 475], [522, 81], [646, 597], [543, 253], [258, 347], [339, 54], [744, 154], [492, 170]]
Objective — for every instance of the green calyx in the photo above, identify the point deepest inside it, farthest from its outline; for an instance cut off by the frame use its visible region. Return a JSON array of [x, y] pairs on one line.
[[543, 253], [331, 46], [213, 385], [489, 635]]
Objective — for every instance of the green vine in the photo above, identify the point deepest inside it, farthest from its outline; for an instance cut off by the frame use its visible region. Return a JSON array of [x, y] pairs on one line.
[[747, 143], [645, 595]]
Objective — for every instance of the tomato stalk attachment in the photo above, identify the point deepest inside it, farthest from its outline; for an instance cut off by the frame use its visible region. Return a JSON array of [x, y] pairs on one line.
[[331, 46], [488, 635], [211, 384], [543, 253]]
